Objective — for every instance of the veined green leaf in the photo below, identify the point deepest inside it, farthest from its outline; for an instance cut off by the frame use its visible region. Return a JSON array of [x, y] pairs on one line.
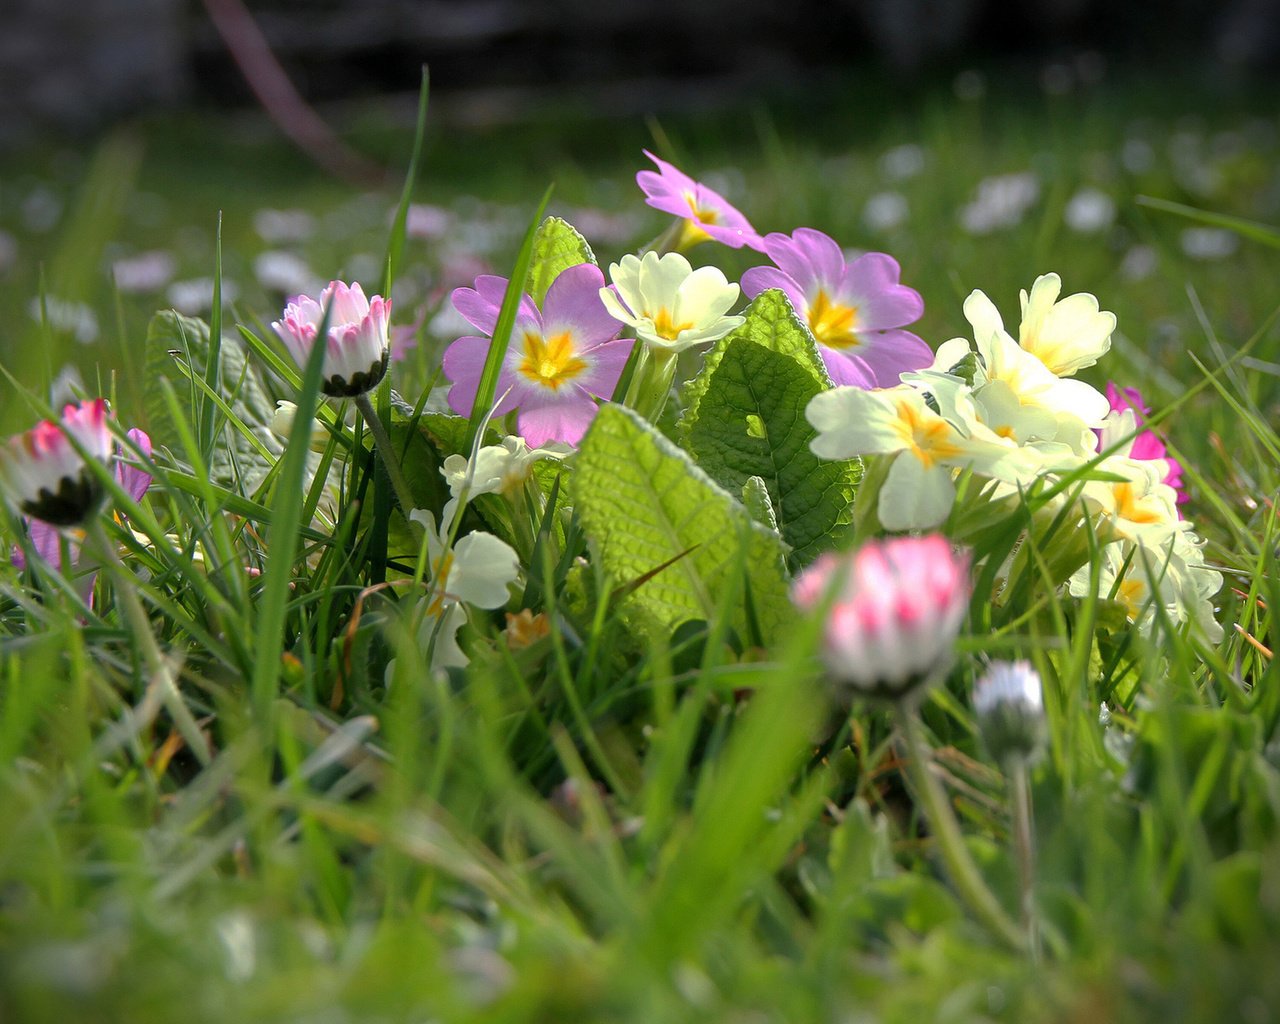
[[556, 247], [172, 336], [643, 502], [746, 420]]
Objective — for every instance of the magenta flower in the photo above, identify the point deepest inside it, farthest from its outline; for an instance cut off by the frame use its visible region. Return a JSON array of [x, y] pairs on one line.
[[44, 474], [358, 342], [706, 213], [561, 358], [46, 539], [855, 310], [896, 608], [1145, 446]]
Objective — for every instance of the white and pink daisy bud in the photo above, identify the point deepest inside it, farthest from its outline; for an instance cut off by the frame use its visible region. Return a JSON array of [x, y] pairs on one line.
[[895, 609], [357, 346], [46, 476], [1010, 708]]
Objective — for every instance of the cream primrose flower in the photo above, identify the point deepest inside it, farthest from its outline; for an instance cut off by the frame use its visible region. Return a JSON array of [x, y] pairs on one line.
[[670, 305], [1184, 584], [1065, 334], [918, 491], [499, 469], [477, 570], [1139, 505], [1074, 404]]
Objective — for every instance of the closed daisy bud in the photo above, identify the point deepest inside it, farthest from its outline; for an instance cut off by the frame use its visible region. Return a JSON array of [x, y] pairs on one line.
[[45, 475], [1010, 709], [358, 344], [898, 605]]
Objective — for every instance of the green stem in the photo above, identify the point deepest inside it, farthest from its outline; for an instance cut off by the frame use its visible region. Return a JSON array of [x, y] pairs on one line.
[[1024, 845], [651, 385], [157, 667], [386, 453], [963, 872]]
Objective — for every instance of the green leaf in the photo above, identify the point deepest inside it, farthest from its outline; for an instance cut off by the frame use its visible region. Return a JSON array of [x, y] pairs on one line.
[[1250, 229], [172, 337], [755, 495], [556, 247], [771, 323], [643, 502], [747, 421]]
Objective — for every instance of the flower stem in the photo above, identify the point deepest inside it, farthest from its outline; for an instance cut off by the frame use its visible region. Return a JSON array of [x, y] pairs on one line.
[[963, 872], [651, 385], [157, 667], [1024, 845], [386, 453]]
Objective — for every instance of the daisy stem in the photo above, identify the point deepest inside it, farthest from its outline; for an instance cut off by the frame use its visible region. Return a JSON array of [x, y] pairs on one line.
[[386, 453], [158, 668], [963, 872], [1024, 845]]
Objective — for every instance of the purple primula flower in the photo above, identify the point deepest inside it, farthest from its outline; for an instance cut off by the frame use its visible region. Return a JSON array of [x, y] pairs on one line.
[[561, 358], [855, 310], [1145, 446], [706, 213]]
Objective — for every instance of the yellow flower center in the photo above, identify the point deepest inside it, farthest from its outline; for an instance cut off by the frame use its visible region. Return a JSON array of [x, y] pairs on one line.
[[1132, 594], [832, 323], [550, 361], [927, 437], [664, 326], [700, 213], [1135, 509]]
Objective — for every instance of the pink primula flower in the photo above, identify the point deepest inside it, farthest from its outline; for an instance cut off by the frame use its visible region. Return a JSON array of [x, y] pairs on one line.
[[855, 310], [560, 360], [896, 608], [1145, 446], [706, 213]]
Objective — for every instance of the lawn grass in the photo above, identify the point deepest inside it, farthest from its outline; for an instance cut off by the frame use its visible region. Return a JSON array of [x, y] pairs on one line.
[[619, 823]]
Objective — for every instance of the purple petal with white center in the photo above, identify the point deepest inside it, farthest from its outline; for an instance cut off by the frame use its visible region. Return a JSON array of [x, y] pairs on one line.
[[847, 369], [566, 419], [761, 279], [464, 365], [889, 354], [573, 304], [871, 283]]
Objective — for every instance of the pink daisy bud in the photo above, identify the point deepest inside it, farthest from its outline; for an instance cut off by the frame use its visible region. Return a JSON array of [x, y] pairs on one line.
[[896, 608], [44, 474], [358, 344], [1010, 709]]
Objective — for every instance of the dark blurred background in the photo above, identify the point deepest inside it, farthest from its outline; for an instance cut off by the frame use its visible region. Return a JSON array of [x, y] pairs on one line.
[[76, 65]]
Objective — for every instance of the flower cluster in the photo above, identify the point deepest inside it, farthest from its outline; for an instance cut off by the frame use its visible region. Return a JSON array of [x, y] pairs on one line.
[[1011, 412]]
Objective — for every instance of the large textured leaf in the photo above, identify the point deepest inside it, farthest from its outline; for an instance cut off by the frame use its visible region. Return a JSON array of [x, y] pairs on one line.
[[172, 337], [556, 247], [748, 421], [643, 502], [771, 323]]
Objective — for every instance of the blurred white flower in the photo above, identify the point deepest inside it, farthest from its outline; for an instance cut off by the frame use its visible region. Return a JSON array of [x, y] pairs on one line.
[[74, 318], [1209, 243], [196, 294], [1089, 211], [885, 211], [146, 272], [1139, 263], [277, 226], [902, 162], [426, 221], [1001, 201], [285, 272]]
